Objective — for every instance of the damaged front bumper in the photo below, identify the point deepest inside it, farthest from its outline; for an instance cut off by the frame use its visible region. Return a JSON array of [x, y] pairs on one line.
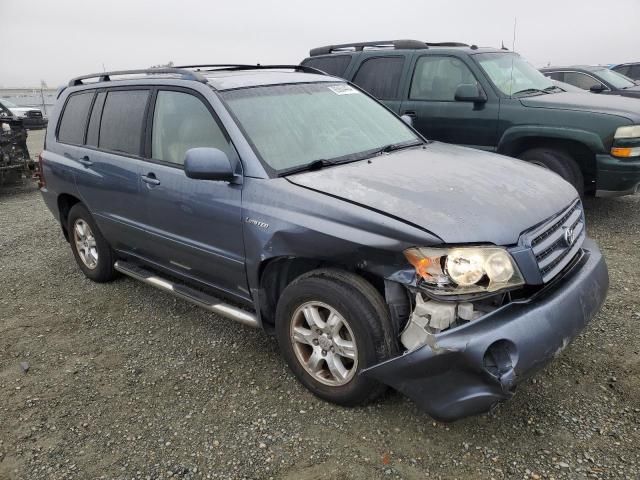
[[468, 369]]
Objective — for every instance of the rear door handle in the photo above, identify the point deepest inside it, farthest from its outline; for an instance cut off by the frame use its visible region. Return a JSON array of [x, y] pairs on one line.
[[410, 113], [150, 179], [86, 161]]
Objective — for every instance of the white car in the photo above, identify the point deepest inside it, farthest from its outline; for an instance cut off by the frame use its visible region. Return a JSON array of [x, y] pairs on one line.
[[31, 117]]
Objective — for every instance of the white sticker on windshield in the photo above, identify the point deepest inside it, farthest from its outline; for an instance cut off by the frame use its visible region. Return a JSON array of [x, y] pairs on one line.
[[343, 89]]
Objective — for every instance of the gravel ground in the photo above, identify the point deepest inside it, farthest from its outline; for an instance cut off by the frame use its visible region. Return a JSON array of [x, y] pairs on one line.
[[126, 382]]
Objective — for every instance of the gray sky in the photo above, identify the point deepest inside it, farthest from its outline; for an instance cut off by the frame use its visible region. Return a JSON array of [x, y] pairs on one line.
[[54, 40]]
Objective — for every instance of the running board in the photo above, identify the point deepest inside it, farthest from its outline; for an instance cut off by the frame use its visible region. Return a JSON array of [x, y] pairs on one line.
[[187, 293]]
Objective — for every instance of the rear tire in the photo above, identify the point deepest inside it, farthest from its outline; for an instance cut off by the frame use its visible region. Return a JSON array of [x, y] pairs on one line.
[[558, 162], [93, 254], [327, 360]]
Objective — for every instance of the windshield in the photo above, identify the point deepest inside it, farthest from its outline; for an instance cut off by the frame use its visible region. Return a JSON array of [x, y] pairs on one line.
[[293, 125], [9, 104], [614, 78], [513, 75]]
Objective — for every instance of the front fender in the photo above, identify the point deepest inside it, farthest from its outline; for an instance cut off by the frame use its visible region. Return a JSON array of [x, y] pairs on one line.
[[513, 135]]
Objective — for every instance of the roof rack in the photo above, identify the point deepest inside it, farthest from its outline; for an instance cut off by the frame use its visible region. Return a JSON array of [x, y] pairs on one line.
[[106, 76], [191, 72], [359, 46], [395, 44], [215, 66]]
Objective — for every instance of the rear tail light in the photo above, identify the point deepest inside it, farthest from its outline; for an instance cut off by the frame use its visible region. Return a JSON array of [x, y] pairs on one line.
[[39, 172]]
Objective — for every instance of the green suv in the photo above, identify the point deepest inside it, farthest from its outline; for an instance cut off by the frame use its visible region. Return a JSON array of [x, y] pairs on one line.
[[494, 100]]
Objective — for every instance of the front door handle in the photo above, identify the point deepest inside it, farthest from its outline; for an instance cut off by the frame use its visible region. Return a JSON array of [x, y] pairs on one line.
[[410, 113], [150, 179]]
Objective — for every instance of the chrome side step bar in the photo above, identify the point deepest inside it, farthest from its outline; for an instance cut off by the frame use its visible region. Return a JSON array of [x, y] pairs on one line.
[[187, 293]]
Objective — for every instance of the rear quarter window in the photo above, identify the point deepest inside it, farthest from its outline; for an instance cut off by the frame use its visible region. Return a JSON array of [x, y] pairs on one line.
[[334, 65], [74, 118], [123, 120], [380, 76]]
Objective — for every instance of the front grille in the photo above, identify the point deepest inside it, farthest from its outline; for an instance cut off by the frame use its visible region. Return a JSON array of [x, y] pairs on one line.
[[34, 114], [557, 241]]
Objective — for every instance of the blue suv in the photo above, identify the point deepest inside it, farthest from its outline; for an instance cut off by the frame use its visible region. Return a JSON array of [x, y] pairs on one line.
[[287, 199]]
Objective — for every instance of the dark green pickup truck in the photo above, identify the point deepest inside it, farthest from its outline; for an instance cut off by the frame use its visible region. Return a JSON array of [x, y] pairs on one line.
[[494, 100]]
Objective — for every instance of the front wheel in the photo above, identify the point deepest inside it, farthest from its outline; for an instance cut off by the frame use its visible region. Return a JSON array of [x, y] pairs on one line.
[[330, 325], [558, 162]]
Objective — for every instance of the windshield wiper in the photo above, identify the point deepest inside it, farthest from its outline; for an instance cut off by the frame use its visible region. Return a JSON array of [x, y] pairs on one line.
[[554, 88], [308, 167], [529, 90], [395, 146]]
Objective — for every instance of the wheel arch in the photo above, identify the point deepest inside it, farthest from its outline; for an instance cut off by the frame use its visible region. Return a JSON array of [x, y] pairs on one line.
[[277, 273], [65, 203], [581, 149]]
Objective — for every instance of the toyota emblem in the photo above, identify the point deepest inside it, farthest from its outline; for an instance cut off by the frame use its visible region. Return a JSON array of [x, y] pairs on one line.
[[568, 236]]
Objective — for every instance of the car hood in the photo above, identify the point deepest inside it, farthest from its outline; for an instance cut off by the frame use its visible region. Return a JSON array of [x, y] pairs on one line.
[[594, 103], [459, 194], [17, 110], [630, 92]]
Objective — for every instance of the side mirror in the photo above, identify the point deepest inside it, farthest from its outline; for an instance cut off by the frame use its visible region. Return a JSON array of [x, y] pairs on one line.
[[599, 88], [407, 119], [208, 164], [470, 92]]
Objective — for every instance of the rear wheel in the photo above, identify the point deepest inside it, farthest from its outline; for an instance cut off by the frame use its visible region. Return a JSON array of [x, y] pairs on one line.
[[93, 254], [558, 162], [330, 325]]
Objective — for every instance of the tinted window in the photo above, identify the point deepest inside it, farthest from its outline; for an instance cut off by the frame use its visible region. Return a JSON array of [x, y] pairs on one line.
[[74, 118], [437, 78], [122, 121], [180, 122], [334, 65], [94, 120], [581, 80], [380, 76], [634, 72], [624, 69], [559, 76]]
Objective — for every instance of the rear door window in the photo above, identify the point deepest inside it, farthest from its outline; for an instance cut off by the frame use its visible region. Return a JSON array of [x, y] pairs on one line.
[[74, 118], [123, 121], [182, 121], [333, 65], [380, 76], [559, 76], [436, 78]]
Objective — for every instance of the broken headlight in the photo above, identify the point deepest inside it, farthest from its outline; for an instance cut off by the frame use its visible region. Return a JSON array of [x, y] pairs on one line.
[[462, 270]]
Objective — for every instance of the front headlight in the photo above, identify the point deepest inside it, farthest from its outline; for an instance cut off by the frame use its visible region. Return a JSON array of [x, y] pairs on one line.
[[626, 142], [631, 131], [462, 270]]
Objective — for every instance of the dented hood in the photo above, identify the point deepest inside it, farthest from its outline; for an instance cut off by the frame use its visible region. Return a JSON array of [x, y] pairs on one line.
[[460, 194]]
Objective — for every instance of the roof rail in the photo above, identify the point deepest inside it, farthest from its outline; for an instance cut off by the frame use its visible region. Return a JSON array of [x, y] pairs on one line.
[[447, 44], [359, 46], [395, 44], [215, 66], [106, 76]]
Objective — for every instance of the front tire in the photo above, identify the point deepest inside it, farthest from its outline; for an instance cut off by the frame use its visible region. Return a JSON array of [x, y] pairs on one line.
[[331, 324], [558, 162], [93, 254]]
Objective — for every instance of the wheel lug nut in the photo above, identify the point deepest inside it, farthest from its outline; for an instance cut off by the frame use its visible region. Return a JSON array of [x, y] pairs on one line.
[[324, 353], [333, 349], [315, 341]]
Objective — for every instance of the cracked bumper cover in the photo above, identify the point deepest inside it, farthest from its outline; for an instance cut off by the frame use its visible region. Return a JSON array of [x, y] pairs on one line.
[[449, 379]]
